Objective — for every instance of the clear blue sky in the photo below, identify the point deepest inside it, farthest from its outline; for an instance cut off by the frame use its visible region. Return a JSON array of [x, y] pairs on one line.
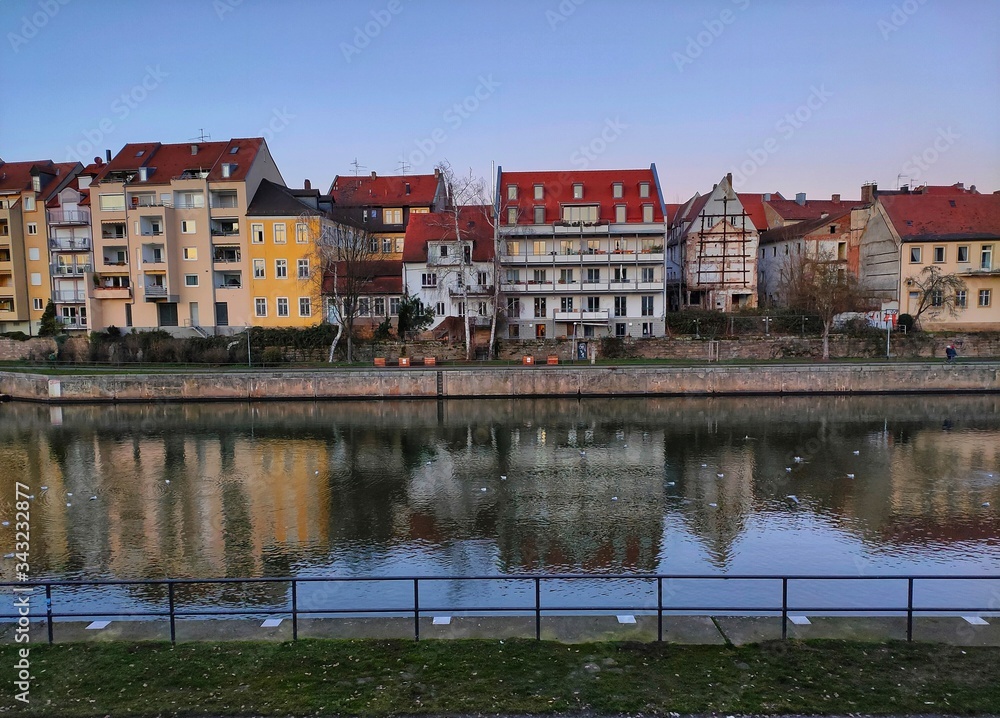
[[814, 97]]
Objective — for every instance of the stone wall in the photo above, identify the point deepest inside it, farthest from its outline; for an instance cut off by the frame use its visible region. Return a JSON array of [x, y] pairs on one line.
[[37, 349]]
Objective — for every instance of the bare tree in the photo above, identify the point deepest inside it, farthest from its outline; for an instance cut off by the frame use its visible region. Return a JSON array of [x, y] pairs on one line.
[[346, 252], [823, 286], [937, 293]]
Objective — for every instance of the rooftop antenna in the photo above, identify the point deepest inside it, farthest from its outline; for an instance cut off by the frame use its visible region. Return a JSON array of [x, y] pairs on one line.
[[898, 177], [202, 137], [403, 167], [357, 167]]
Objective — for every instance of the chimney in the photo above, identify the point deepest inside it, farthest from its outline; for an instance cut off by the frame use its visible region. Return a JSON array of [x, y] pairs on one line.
[[307, 184], [972, 189], [767, 197], [960, 185], [800, 199], [869, 192], [374, 175], [437, 173], [836, 198], [729, 178], [194, 149], [98, 161], [107, 153]]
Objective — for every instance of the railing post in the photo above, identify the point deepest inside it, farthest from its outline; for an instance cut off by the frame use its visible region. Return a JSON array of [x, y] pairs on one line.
[[909, 609], [659, 608], [295, 611], [538, 608], [170, 599], [416, 609], [48, 610], [784, 608]]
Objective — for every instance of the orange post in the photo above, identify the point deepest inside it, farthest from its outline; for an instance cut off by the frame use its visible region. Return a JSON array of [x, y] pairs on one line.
[[528, 361]]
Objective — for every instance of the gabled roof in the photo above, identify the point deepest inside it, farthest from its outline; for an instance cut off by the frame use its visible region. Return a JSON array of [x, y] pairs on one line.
[[386, 274], [166, 162], [670, 212], [391, 191], [805, 227], [918, 217], [598, 188], [474, 225], [16, 176], [274, 200], [789, 209], [753, 203]]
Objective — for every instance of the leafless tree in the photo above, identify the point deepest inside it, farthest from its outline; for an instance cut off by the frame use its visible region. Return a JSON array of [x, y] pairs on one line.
[[937, 293], [347, 262]]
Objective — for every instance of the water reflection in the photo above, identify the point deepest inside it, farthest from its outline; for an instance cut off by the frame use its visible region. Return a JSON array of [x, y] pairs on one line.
[[468, 487]]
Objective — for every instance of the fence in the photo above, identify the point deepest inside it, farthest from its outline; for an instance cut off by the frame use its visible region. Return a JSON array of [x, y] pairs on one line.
[[536, 608]]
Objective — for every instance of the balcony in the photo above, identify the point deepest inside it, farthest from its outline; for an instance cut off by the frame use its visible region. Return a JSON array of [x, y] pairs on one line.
[[72, 322], [111, 293], [474, 290], [158, 293], [80, 244], [600, 315], [138, 201], [226, 255], [228, 280], [70, 270], [69, 296], [80, 215], [223, 200], [225, 228]]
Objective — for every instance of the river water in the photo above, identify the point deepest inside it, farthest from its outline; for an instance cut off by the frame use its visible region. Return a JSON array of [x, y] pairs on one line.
[[852, 486]]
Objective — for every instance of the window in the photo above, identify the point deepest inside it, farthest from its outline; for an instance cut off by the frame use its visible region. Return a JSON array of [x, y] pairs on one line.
[[566, 304], [364, 307], [647, 306], [281, 269], [112, 202], [33, 254], [512, 191], [588, 330], [513, 276], [963, 254], [444, 250], [305, 307], [539, 331], [393, 306], [621, 274], [190, 253], [644, 189], [621, 306], [620, 329], [379, 306], [439, 309], [539, 276], [258, 269], [539, 191], [539, 215], [373, 246], [575, 213], [578, 191], [513, 307], [617, 190], [188, 226], [539, 246], [512, 215], [301, 232], [32, 228], [540, 307], [282, 303], [399, 245], [937, 298], [36, 279], [260, 306], [303, 269], [841, 250], [565, 276], [37, 304], [257, 233], [914, 255], [513, 248], [960, 299], [279, 232], [986, 258], [647, 274], [482, 279], [593, 275], [190, 280], [392, 216], [29, 203], [647, 213], [190, 200], [939, 255], [620, 213], [647, 329], [593, 304], [387, 245], [429, 279], [514, 331], [984, 297]]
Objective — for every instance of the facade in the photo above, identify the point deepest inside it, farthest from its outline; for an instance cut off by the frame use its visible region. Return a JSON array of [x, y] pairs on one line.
[[713, 249], [287, 229], [378, 299], [26, 268], [171, 238], [581, 253], [958, 233]]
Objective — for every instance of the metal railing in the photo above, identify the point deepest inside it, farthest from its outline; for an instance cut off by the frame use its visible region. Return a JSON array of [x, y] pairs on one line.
[[536, 608]]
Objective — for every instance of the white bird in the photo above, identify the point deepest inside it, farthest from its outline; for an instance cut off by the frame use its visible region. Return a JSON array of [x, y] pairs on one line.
[[704, 466], [986, 504], [168, 481], [857, 453], [69, 504], [317, 473], [625, 446], [93, 498], [483, 489], [798, 459], [850, 476], [793, 498], [671, 483], [8, 555], [44, 488], [720, 475], [5, 523], [503, 477], [713, 505], [69, 493], [788, 468], [614, 498], [428, 463]]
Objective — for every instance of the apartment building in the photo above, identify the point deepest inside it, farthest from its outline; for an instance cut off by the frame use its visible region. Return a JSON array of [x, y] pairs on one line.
[[170, 235], [27, 270], [581, 253], [288, 228]]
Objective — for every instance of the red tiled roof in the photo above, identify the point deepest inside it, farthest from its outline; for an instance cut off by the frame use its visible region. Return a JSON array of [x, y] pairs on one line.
[[696, 207], [957, 188], [671, 211], [387, 277], [385, 191], [474, 224], [812, 209], [597, 189], [932, 217], [753, 203], [806, 227], [170, 161]]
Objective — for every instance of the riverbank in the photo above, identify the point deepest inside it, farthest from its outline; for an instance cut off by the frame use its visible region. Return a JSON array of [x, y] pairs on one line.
[[512, 677], [503, 381]]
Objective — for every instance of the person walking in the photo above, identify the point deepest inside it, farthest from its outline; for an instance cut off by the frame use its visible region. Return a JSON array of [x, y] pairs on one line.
[[951, 354]]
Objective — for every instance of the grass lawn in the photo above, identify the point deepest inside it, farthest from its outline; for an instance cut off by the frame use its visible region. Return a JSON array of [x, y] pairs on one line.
[[313, 677]]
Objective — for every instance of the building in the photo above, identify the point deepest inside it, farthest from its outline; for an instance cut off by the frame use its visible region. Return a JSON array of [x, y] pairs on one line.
[[381, 288], [27, 271], [453, 270], [581, 253], [712, 250], [170, 235], [287, 230], [957, 232]]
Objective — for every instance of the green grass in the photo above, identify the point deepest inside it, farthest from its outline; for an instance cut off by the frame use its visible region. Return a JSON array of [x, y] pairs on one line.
[[448, 677]]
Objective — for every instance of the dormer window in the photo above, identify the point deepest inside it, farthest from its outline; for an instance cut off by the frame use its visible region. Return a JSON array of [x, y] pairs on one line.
[[444, 250], [234, 150], [539, 191], [36, 183], [644, 189], [512, 192], [617, 190], [578, 191]]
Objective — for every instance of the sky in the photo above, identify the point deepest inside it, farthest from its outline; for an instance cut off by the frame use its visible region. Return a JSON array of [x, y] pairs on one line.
[[789, 96]]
